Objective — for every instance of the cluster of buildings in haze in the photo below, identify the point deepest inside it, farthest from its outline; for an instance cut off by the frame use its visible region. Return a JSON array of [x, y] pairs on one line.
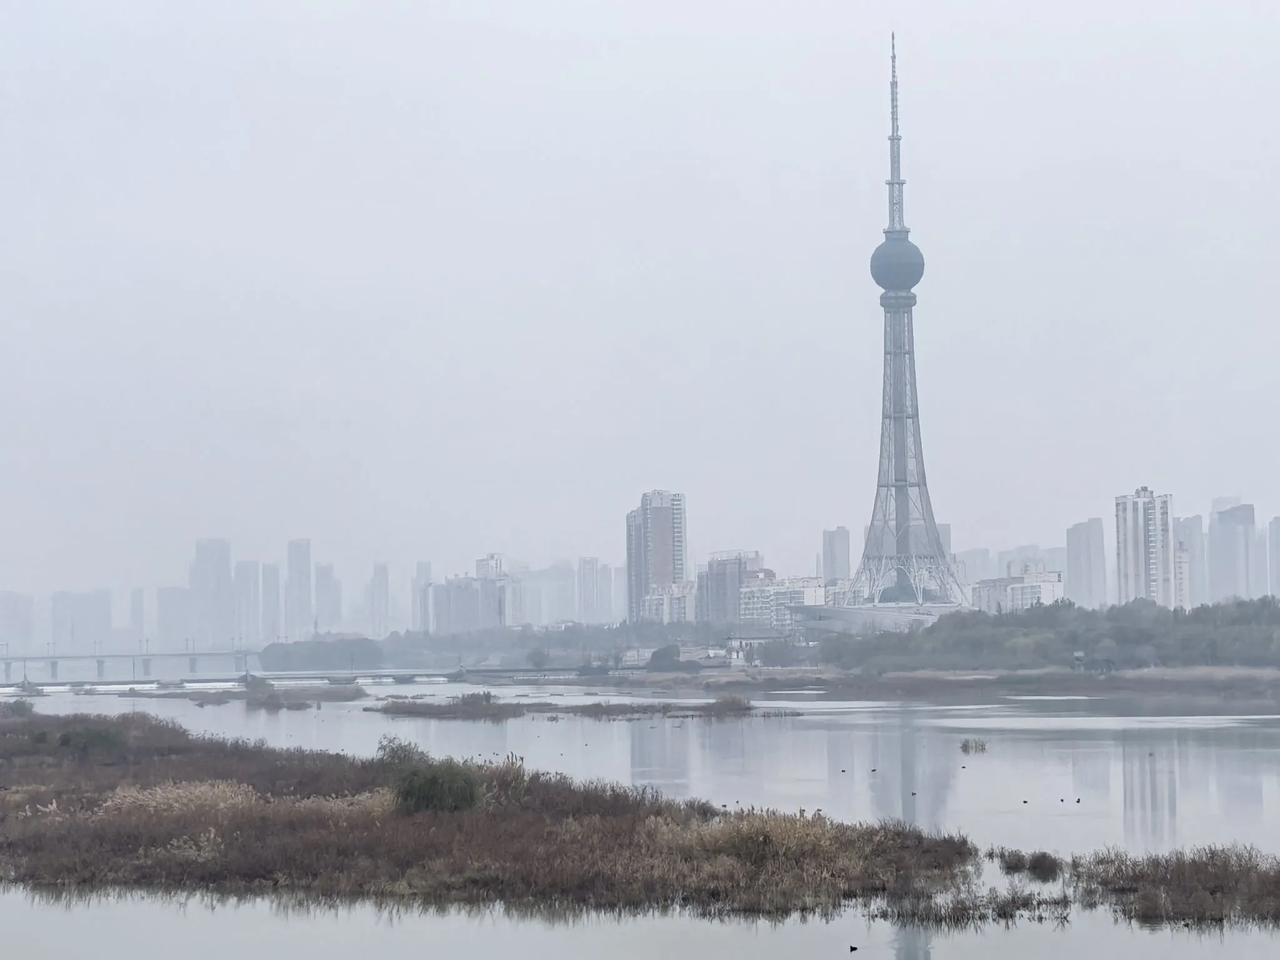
[[229, 603]]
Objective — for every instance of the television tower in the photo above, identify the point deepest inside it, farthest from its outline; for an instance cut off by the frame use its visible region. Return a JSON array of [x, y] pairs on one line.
[[903, 560]]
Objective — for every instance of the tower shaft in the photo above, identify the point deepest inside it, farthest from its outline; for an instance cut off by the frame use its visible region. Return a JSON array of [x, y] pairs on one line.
[[904, 559]]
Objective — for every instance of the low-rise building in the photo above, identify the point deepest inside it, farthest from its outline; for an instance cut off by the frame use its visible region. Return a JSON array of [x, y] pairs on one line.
[[671, 603], [768, 602], [1034, 586]]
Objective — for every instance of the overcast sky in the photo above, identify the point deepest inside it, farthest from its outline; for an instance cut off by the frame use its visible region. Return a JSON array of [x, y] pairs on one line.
[[427, 279]]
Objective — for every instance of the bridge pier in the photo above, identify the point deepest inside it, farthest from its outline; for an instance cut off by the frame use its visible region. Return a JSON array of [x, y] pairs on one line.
[[146, 666], [191, 664], [53, 669], [8, 671], [242, 663], [102, 669]]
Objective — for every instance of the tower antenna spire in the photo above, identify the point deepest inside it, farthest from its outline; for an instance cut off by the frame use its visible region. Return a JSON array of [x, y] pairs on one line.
[[897, 223]]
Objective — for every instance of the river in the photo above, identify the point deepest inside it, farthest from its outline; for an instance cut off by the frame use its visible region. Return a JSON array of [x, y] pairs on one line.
[[1063, 775]]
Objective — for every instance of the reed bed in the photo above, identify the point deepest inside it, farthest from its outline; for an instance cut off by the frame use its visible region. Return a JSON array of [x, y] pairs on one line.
[[91, 804], [485, 706]]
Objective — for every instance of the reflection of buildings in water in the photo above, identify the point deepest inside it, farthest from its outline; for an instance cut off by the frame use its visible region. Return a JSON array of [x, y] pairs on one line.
[[660, 757], [914, 768], [1150, 794], [1238, 773], [912, 943], [1091, 771], [720, 766]]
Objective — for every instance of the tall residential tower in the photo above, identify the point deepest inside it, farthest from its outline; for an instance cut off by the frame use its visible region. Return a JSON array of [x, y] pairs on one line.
[[655, 548], [1145, 548]]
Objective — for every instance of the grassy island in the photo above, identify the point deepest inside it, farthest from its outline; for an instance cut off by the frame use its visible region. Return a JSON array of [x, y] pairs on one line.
[[485, 706], [132, 802]]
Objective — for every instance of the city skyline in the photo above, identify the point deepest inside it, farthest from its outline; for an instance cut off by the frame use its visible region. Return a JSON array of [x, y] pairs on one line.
[[1247, 555], [194, 376]]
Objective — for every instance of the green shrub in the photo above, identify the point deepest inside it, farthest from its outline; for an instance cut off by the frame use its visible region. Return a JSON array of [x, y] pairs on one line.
[[395, 752], [444, 786], [17, 710], [97, 740], [1044, 866]]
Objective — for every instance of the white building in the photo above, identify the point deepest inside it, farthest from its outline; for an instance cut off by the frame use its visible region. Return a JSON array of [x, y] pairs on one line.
[[1034, 586], [1145, 548], [764, 602], [671, 603]]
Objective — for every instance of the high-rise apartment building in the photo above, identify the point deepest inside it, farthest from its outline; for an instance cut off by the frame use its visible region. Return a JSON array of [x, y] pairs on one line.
[[17, 618], [1182, 576], [1273, 549], [1258, 586], [656, 533], [726, 573], [298, 620], [1055, 560], [589, 590], [1232, 549], [80, 622], [213, 605], [1086, 573], [1189, 533], [604, 594], [379, 602], [328, 598], [489, 567], [621, 603], [173, 619], [272, 625], [1010, 563], [137, 614], [420, 597], [1145, 548], [248, 590], [466, 604], [974, 565], [836, 564]]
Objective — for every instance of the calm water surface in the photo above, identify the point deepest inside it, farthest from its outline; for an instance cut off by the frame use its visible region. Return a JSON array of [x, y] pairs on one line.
[[1143, 783]]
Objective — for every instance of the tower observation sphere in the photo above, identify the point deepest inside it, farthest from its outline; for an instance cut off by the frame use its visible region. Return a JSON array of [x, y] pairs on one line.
[[897, 264]]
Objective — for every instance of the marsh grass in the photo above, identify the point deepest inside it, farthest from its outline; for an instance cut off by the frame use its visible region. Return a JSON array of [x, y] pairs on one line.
[[1041, 865], [485, 706], [95, 804], [260, 694], [1200, 886], [133, 802]]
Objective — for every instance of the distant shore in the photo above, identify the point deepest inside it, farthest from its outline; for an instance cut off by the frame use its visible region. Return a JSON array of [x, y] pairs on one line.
[[1212, 690]]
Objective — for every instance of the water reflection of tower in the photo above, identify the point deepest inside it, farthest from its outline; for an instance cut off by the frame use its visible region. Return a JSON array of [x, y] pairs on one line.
[[1238, 770], [1150, 795], [914, 770], [912, 943]]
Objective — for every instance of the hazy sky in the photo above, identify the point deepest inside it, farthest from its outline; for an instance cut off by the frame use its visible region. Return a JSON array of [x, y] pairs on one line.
[[430, 279]]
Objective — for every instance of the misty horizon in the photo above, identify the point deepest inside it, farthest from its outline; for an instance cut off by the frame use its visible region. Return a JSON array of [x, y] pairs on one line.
[[430, 283]]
